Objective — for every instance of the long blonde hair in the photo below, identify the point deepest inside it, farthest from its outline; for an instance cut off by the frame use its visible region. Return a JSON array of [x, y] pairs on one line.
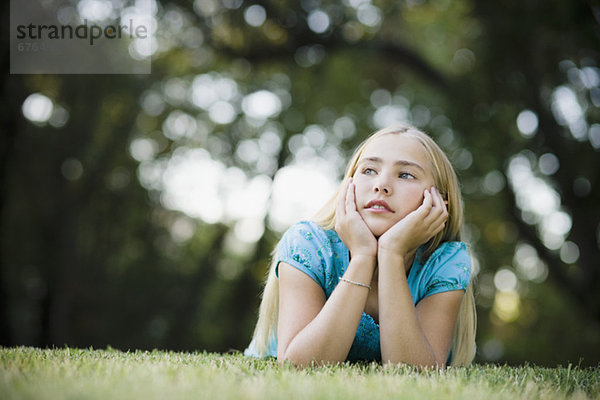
[[446, 181]]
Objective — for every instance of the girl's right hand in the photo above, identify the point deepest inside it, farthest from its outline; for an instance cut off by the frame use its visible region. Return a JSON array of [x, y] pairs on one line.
[[350, 226]]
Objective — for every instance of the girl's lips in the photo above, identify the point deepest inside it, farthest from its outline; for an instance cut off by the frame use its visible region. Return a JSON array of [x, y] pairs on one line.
[[378, 206]]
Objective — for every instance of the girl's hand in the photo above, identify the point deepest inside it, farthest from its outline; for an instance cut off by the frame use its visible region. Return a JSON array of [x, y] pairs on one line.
[[417, 227], [350, 226]]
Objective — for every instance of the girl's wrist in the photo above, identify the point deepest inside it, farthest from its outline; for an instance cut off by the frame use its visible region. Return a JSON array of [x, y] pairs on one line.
[[364, 251], [395, 258], [392, 252], [364, 262], [397, 255], [364, 258]]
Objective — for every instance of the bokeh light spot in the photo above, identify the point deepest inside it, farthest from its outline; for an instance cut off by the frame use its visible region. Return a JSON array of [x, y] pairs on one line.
[[318, 21], [505, 280], [569, 252], [548, 164], [507, 305], [262, 104], [255, 15], [527, 122], [37, 108]]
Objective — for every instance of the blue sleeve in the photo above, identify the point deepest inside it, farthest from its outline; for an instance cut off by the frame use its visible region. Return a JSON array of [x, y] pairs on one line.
[[302, 247], [449, 269]]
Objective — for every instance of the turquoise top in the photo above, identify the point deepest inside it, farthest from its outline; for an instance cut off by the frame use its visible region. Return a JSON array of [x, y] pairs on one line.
[[322, 255]]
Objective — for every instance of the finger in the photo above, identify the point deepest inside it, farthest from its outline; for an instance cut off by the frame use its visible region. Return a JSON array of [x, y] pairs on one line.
[[439, 222], [351, 198], [440, 211], [436, 198], [424, 209], [435, 226], [341, 206], [443, 204], [434, 218], [438, 228], [427, 200]]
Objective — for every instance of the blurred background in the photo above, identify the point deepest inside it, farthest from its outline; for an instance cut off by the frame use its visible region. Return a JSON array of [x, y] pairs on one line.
[[139, 211]]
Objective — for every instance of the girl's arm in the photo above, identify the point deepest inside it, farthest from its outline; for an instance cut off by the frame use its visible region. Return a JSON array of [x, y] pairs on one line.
[[311, 328], [418, 336]]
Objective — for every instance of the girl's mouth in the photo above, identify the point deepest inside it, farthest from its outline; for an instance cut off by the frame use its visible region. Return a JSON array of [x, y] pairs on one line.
[[378, 206]]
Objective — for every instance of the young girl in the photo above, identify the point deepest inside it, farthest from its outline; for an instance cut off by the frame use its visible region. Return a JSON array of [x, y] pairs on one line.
[[380, 274]]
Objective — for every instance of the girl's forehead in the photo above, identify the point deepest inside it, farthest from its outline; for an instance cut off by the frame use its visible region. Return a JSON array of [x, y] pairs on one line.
[[396, 146]]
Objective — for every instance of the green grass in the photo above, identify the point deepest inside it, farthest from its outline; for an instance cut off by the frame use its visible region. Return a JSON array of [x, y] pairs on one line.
[[29, 373]]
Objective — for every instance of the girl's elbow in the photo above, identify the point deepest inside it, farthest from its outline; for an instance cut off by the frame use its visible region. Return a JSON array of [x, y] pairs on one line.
[[282, 361], [301, 360], [285, 358], [291, 361]]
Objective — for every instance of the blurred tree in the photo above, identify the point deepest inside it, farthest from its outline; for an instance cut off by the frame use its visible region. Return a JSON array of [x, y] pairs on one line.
[[7, 130], [537, 66], [92, 255]]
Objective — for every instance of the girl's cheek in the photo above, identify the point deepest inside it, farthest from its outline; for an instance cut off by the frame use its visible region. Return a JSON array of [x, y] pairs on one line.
[[359, 182], [418, 196]]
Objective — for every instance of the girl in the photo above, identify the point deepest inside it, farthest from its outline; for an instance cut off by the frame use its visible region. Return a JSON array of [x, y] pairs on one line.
[[380, 274]]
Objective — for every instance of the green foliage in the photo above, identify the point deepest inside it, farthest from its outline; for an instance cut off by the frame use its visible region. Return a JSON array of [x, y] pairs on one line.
[[28, 373], [92, 254]]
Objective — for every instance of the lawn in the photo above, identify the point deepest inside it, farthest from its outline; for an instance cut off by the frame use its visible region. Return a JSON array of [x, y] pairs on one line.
[[29, 373]]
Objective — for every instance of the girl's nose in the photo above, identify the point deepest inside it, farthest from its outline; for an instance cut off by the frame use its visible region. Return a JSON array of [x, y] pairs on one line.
[[382, 186]]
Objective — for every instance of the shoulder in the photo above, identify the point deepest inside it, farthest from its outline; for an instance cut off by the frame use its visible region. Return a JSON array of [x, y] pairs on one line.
[[305, 232], [448, 268], [450, 253], [309, 248]]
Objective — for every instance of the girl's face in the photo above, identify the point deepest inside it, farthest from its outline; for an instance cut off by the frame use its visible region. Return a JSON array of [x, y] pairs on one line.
[[392, 173]]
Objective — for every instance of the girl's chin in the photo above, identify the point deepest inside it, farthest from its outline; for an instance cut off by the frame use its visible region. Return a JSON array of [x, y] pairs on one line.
[[378, 225], [378, 229]]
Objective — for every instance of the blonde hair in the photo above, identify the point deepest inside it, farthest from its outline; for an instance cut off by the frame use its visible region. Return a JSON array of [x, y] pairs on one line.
[[446, 181]]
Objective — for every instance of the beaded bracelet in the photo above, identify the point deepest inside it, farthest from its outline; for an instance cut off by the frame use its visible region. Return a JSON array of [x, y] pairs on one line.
[[355, 283]]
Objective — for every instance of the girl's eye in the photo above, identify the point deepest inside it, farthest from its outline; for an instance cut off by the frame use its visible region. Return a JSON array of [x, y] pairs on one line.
[[406, 175], [369, 171]]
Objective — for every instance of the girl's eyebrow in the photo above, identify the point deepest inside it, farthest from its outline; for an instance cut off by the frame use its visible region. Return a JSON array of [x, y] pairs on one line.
[[399, 162]]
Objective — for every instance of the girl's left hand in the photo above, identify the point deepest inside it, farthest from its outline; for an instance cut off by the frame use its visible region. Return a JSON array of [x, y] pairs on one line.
[[417, 227]]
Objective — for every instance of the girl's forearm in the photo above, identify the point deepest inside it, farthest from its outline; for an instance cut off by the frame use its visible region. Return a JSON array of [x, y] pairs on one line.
[[402, 339], [329, 336]]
